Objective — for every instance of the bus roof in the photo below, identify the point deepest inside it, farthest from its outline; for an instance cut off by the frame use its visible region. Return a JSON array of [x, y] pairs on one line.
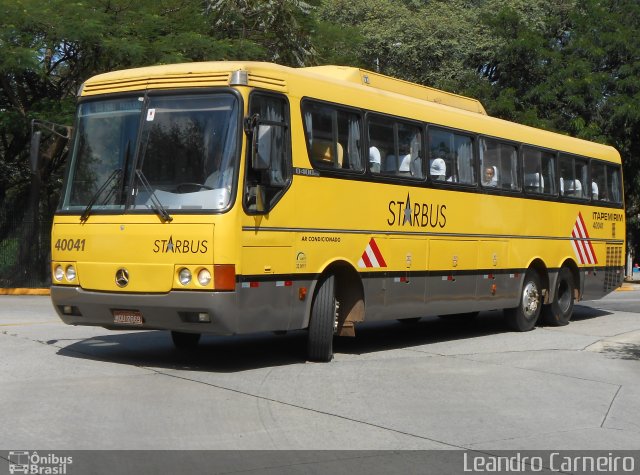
[[443, 108], [220, 72]]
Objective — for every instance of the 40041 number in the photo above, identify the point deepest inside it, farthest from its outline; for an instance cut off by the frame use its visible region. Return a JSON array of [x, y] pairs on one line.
[[70, 244]]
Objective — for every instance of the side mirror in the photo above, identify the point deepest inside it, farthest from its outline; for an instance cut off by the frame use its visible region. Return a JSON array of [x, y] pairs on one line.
[[34, 153], [261, 152]]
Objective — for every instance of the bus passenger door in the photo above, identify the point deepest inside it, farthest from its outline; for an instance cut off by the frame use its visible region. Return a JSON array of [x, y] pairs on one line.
[[267, 261]]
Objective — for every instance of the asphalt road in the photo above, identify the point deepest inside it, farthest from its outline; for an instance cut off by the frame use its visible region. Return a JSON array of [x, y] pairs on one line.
[[437, 384]]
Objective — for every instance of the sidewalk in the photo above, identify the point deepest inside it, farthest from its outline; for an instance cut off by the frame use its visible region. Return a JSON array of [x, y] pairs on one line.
[[24, 291]]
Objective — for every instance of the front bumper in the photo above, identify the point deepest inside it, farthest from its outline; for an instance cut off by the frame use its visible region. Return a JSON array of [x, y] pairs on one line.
[[174, 310]]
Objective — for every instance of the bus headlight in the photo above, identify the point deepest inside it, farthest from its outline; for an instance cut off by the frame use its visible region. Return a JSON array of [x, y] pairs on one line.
[[58, 273], [204, 277], [184, 276], [70, 273]]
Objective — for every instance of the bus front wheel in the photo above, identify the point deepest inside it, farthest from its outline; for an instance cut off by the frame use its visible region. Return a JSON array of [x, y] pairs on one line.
[[185, 341], [560, 310], [525, 316], [322, 325]]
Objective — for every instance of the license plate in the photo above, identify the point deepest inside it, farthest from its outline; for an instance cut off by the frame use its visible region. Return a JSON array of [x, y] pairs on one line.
[[128, 317]]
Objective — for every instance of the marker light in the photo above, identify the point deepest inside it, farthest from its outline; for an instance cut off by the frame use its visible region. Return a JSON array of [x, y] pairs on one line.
[[204, 277], [70, 273], [185, 276], [58, 273]]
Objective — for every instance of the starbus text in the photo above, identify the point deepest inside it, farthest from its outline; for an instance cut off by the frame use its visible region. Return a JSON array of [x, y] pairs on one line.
[[421, 215]]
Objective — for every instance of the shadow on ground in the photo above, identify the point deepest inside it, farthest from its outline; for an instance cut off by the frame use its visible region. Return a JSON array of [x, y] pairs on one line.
[[246, 352]]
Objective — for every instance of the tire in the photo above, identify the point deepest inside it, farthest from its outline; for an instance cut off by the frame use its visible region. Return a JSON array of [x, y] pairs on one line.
[[323, 322], [185, 341], [525, 316], [560, 310]]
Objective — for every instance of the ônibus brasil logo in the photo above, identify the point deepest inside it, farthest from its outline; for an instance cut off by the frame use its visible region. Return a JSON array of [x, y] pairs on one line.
[[24, 461]]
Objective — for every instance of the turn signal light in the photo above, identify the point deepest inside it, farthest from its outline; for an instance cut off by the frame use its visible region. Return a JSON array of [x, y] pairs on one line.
[[224, 277]]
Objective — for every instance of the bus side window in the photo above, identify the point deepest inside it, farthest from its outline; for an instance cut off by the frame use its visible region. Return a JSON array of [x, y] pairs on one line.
[[614, 188], [566, 176], [395, 147], [265, 185], [509, 178], [490, 163], [582, 177], [333, 137], [539, 171], [548, 167], [381, 137], [598, 181], [574, 181], [451, 157]]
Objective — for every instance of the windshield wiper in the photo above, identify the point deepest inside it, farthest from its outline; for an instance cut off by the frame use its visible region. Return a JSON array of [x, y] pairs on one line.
[[157, 205], [114, 175]]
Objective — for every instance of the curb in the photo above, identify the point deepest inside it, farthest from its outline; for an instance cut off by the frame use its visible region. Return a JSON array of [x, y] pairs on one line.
[[627, 287], [25, 292]]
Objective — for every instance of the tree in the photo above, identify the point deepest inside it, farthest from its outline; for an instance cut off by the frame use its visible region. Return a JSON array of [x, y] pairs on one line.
[[408, 39], [570, 66], [270, 30], [576, 72], [50, 48]]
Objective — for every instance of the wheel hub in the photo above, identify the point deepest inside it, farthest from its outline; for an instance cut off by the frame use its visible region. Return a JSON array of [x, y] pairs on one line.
[[530, 300]]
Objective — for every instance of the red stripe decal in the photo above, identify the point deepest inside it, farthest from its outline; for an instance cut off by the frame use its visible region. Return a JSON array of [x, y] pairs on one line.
[[578, 247], [366, 260], [588, 243], [377, 253]]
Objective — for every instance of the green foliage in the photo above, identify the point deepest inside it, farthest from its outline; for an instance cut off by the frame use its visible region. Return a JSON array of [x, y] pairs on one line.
[[49, 48], [572, 66], [567, 65], [279, 29]]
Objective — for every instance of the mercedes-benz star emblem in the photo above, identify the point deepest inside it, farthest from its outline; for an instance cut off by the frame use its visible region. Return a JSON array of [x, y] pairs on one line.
[[122, 277]]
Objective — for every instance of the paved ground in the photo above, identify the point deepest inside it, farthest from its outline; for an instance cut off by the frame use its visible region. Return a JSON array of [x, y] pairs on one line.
[[433, 385]]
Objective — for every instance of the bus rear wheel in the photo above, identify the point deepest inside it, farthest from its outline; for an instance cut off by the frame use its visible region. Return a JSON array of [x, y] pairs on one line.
[[185, 341], [560, 310], [525, 316], [323, 322]]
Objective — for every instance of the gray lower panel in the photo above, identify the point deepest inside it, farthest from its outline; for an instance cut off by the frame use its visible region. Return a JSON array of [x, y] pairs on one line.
[[266, 307], [600, 282], [387, 298]]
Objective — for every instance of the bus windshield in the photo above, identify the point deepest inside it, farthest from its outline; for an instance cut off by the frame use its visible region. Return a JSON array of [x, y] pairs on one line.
[[185, 148]]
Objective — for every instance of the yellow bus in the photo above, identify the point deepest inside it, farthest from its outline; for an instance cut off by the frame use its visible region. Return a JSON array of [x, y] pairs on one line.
[[235, 197]]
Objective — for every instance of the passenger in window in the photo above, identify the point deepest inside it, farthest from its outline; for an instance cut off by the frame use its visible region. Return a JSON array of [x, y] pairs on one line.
[[405, 164], [404, 161], [438, 169], [571, 187], [374, 159], [490, 177], [594, 190]]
